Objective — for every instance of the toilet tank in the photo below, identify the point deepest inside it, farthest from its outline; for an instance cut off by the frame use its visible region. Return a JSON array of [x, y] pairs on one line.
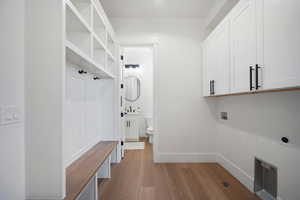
[[149, 122]]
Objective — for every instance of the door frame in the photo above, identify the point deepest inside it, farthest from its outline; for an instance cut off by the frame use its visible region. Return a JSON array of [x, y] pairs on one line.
[[154, 46]]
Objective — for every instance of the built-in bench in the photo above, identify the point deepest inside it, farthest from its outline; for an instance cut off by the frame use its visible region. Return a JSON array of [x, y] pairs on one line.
[[83, 174]]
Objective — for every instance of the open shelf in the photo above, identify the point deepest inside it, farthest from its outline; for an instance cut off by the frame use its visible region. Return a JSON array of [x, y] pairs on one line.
[[111, 46], [111, 66], [110, 56], [99, 27], [77, 31], [75, 56], [84, 7], [99, 52]]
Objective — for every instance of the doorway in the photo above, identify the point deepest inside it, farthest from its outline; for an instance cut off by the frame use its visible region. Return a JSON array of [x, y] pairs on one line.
[[138, 96]]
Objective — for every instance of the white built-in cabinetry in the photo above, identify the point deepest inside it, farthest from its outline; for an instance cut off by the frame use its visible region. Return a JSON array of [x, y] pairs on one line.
[[279, 43], [217, 61], [255, 48], [132, 128], [72, 89]]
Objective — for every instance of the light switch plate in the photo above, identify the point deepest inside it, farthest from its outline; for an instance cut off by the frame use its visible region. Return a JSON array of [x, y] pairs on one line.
[[10, 115]]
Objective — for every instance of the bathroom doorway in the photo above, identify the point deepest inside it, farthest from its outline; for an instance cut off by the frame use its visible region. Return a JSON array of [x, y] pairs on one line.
[[138, 96]]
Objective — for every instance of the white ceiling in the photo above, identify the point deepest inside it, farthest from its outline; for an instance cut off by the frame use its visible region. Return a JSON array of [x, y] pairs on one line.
[[158, 8]]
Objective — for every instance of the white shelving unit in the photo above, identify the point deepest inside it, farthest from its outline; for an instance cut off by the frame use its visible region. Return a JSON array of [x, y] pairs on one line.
[[65, 38], [84, 9], [99, 27], [91, 43], [99, 52]]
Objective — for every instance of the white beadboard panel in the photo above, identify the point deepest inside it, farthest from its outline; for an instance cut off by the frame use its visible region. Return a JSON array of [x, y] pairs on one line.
[[89, 112]]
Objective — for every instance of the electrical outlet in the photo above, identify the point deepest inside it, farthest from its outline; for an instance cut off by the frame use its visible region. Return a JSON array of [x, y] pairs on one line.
[[10, 115], [224, 115]]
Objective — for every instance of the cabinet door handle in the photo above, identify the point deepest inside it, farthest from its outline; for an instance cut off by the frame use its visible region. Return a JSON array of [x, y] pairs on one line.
[[213, 87], [251, 77], [129, 123], [257, 86], [210, 87]]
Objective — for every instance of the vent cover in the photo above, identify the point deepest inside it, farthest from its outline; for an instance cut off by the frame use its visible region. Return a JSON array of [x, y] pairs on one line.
[[265, 181]]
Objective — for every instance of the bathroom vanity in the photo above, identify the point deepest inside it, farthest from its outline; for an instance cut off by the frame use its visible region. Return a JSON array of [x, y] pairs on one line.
[[132, 127]]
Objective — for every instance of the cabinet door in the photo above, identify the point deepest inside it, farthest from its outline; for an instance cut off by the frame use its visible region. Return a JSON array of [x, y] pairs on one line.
[[126, 130], [222, 59], [132, 129], [209, 66], [281, 43], [206, 68], [205, 87], [243, 44]]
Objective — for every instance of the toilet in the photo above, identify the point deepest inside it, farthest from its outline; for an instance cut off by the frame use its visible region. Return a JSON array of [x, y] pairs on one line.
[[149, 129]]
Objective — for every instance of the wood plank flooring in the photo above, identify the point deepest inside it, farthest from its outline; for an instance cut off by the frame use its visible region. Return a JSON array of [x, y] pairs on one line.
[[138, 178]]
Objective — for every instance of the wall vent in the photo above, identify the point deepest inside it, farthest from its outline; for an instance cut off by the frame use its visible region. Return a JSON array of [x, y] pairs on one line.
[[265, 180]]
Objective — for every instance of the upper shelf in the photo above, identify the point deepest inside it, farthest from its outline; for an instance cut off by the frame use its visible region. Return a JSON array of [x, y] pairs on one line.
[[108, 52], [88, 43], [84, 8], [74, 18], [75, 56]]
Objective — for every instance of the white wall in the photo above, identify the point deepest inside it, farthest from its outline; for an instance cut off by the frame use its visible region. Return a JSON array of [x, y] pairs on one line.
[[186, 121], [186, 126], [12, 169], [144, 57], [255, 127]]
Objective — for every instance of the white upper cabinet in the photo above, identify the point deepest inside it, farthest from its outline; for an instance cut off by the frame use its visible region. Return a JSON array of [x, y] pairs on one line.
[[217, 61], [280, 43], [209, 67], [222, 59], [243, 45], [255, 48]]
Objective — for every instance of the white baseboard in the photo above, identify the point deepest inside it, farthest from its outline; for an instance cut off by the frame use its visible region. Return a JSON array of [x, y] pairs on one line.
[[237, 172], [44, 198], [186, 158]]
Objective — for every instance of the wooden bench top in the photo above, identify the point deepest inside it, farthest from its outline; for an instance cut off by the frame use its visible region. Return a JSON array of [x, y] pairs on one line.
[[80, 172]]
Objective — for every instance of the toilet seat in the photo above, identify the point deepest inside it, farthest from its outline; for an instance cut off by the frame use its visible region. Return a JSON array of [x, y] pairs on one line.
[[150, 130], [150, 134]]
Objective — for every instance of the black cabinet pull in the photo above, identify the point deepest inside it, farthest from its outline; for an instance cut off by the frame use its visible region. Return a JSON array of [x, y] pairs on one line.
[[210, 89], [257, 86], [251, 77], [213, 87]]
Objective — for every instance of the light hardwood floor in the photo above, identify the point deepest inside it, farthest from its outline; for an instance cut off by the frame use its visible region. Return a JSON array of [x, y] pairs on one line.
[[138, 178]]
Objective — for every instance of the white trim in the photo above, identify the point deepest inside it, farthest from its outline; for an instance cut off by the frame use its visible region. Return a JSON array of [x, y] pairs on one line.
[[155, 93], [236, 171], [43, 198], [155, 104], [186, 158]]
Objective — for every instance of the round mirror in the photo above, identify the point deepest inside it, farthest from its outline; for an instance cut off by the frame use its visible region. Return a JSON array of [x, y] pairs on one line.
[[133, 88]]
